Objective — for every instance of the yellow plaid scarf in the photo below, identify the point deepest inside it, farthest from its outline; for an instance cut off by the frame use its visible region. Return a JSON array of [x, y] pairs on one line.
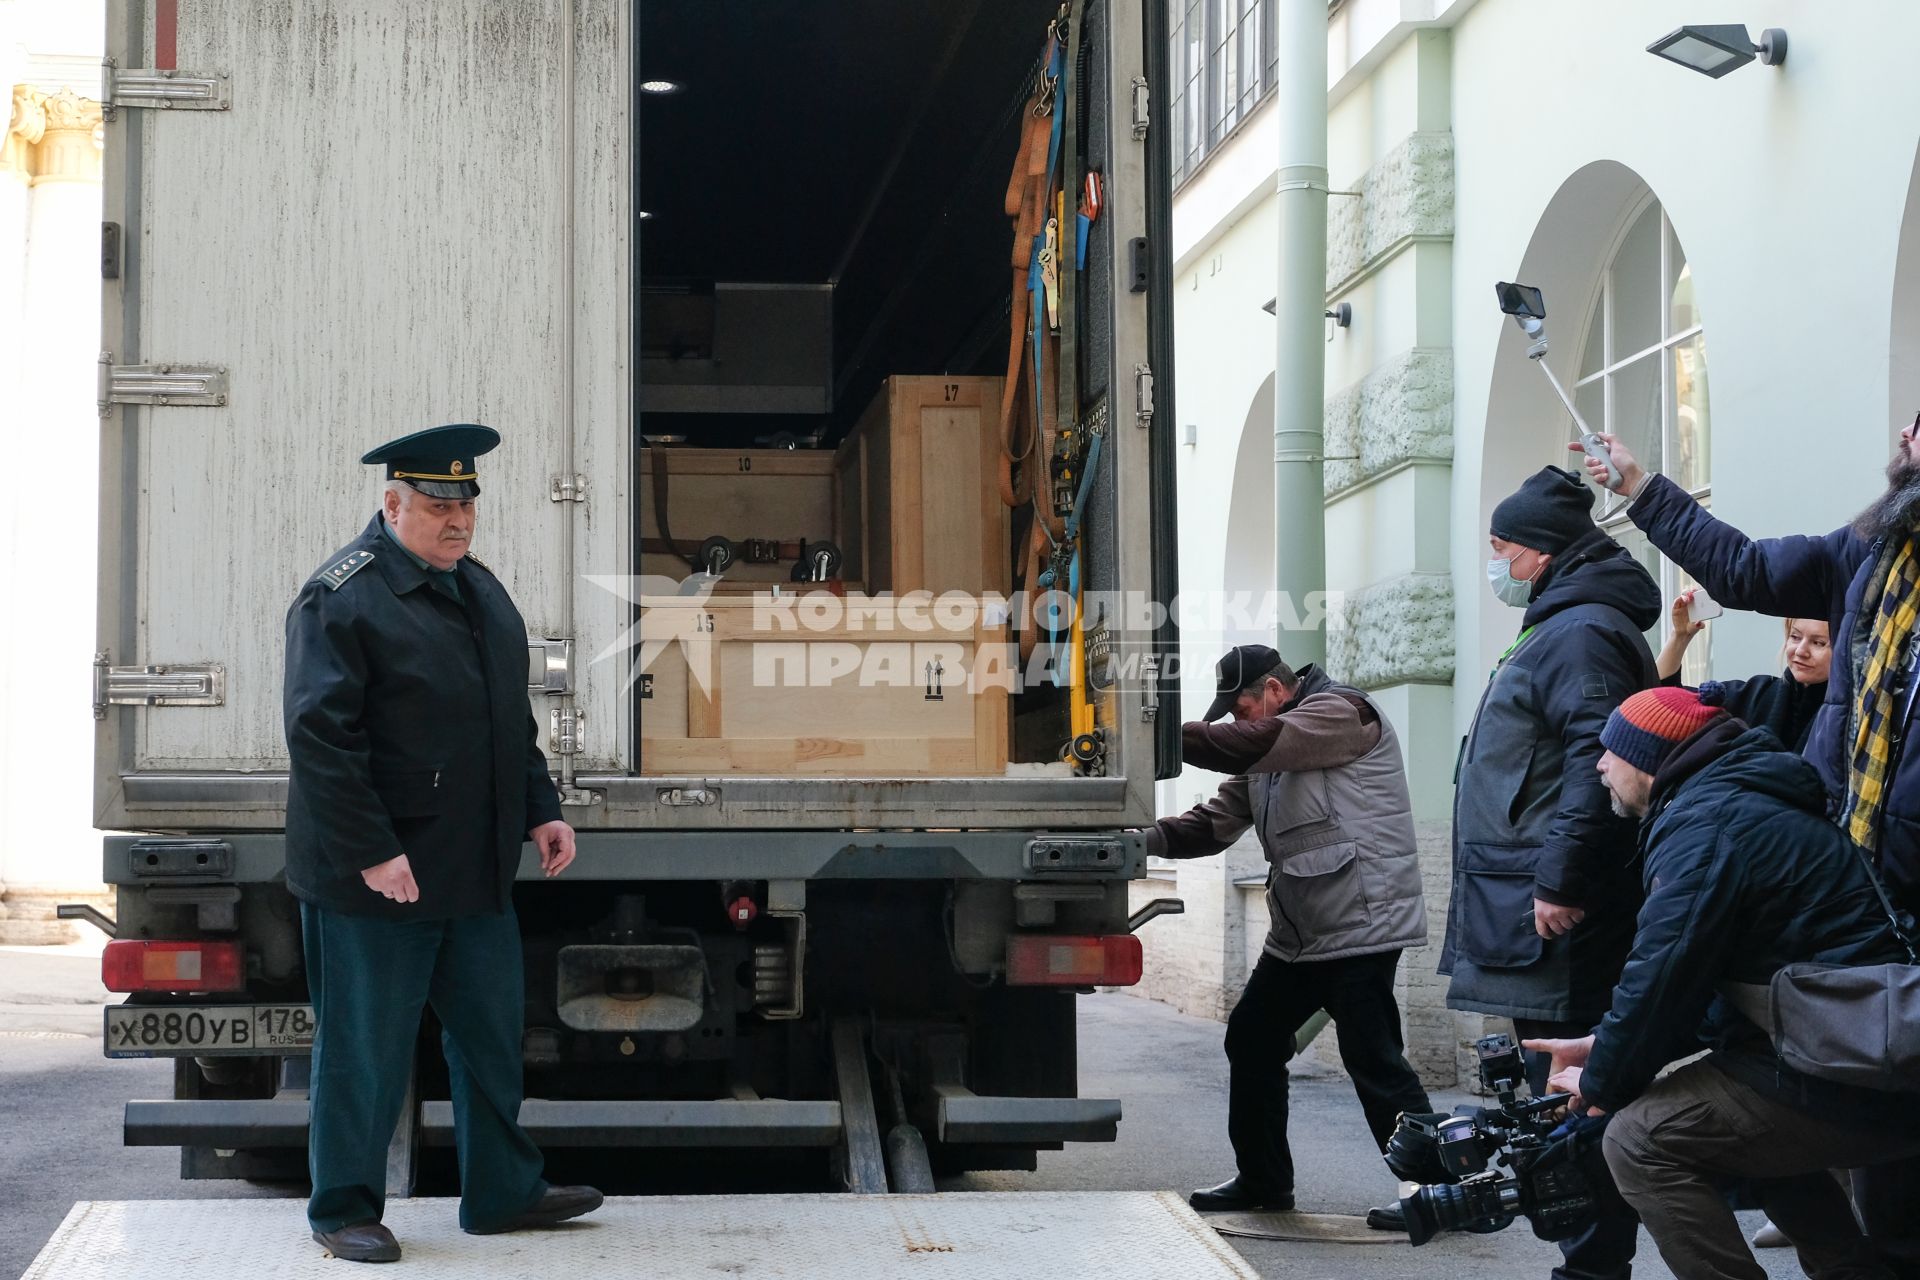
[[1875, 719]]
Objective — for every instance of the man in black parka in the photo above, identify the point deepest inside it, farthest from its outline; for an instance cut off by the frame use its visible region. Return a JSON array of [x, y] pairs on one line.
[[1744, 876], [416, 777], [1543, 898]]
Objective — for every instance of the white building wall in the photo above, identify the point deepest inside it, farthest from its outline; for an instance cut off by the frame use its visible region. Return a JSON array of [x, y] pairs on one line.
[[50, 54]]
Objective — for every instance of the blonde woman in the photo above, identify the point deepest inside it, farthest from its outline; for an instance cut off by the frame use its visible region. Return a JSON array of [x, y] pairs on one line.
[[1784, 703]]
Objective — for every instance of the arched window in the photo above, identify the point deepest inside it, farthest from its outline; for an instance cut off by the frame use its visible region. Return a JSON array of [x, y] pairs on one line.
[[1643, 377]]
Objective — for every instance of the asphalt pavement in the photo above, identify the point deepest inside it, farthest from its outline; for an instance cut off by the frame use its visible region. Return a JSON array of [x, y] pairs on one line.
[[60, 1114]]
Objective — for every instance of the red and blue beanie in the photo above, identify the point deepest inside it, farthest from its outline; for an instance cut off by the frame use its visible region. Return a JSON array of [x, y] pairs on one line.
[[1644, 730]]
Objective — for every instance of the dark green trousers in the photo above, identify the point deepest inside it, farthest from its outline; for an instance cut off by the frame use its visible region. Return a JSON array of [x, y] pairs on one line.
[[369, 979]]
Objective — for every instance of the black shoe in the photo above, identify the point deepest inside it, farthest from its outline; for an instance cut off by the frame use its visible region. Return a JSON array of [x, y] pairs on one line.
[[360, 1242], [556, 1205], [1388, 1217], [1234, 1195]]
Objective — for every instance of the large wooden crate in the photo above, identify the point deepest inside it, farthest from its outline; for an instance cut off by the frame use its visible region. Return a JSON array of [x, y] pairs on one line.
[[917, 489], [776, 494], [824, 685]]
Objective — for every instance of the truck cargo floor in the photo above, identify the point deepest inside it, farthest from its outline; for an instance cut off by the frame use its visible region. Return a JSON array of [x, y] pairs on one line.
[[975, 1236]]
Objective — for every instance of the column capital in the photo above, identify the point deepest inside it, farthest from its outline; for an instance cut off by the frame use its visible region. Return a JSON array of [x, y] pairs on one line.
[[68, 149], [26, 122]]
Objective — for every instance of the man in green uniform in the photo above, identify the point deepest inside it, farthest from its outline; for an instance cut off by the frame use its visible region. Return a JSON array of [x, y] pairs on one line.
[[416, 777]]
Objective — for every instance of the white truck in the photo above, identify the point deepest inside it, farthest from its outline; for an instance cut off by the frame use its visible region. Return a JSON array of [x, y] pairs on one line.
[[717, 228]]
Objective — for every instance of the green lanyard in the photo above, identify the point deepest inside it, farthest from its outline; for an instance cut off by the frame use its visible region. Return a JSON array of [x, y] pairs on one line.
[[1508, 653]]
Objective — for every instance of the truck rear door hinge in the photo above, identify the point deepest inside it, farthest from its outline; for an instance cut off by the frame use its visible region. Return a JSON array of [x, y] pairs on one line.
[[159, 384], [565, 728], [174, 684], [1143, 395], [550, 666], [1140, 108], [569, 489], [164, 88], [1150, 687]]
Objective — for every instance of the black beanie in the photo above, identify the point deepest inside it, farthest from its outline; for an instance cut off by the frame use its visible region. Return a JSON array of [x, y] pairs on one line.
[[1549, 513]]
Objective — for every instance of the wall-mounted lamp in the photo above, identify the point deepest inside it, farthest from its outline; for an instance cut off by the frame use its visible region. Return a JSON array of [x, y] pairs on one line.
[[1341, 313], [1716, 50]]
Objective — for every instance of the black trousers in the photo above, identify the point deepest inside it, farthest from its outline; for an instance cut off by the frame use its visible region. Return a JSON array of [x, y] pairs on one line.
[[1357, 992], [1605, 1250]]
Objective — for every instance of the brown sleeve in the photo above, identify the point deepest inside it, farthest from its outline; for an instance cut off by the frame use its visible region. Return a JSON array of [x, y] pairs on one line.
[[1206, 828], [1324, 731]]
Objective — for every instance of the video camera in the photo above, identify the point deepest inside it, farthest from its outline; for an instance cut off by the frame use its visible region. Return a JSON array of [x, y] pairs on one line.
[[1555, 1179]]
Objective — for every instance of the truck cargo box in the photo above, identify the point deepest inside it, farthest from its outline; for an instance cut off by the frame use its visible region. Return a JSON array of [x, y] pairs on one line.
[[784, 278]]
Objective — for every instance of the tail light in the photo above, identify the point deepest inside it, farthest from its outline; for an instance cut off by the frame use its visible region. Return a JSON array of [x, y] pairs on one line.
[[1042, 960], [138, 965]]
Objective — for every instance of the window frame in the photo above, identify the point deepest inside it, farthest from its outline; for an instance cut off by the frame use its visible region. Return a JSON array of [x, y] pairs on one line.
[[1199, 111], [1613, 520]]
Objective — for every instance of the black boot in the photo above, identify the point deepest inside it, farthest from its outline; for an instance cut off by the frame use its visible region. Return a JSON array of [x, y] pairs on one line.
[[556, 1205], [1236, 1195], [360, 1242]]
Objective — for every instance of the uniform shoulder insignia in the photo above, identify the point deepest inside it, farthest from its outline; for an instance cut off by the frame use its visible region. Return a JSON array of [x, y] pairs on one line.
[[482, 563], [334, 575]]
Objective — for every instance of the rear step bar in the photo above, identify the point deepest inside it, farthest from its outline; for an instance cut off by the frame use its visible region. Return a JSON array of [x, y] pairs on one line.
[[965, 1116], [249, 1123], [758, 1123]]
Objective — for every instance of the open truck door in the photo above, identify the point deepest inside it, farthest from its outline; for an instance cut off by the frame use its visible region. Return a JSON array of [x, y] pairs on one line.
[[334, 224]]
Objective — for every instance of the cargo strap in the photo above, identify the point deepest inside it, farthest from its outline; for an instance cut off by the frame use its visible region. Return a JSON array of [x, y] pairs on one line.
[[666, 541]]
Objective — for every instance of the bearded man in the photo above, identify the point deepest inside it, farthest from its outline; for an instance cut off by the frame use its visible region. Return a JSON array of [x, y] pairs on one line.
[[1864, 579]]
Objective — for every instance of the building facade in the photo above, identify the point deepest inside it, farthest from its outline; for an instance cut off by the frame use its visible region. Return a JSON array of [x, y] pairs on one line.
[[50, 53], [1732, 271]]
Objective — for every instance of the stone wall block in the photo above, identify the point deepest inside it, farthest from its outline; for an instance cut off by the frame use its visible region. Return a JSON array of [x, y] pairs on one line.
[[1407, 195], [1401, 412], [1395, 632]]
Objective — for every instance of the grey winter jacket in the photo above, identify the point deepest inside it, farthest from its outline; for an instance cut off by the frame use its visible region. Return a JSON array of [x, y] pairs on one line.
[[1323, 786], [1531, 819]]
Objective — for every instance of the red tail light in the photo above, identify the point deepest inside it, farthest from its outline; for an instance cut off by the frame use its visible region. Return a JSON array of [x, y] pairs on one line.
[[1039, 960], [137, 965]]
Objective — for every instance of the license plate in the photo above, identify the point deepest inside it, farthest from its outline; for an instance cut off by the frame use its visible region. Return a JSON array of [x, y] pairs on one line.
[[206, 1031]]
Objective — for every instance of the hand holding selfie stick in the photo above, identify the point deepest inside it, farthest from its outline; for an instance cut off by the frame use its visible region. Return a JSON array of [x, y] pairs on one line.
[[1529, 310]]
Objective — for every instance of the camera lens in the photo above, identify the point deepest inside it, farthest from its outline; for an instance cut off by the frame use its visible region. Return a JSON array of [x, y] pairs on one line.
[[1473, 1206]]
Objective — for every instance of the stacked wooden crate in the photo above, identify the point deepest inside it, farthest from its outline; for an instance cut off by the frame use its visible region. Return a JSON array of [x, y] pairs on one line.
[[794, 680]]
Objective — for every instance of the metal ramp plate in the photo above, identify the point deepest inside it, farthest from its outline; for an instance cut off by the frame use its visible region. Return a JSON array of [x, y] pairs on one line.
[[957, 1236]]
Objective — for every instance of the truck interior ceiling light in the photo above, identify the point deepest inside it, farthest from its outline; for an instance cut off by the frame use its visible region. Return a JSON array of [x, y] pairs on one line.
[[1716, 50], [660, 87]]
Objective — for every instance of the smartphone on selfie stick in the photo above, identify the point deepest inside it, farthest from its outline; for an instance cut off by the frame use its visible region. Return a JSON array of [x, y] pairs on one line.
[[1529, 310]]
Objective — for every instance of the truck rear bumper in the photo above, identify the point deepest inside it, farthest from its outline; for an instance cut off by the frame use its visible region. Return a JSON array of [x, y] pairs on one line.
[[248, 1124]]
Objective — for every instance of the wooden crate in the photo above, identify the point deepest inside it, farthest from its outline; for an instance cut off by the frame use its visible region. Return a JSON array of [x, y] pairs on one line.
[[916, 489], [822, 685], [777, 494]]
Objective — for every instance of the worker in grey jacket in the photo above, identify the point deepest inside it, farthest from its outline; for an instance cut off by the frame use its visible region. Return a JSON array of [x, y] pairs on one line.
[[1318, 776]]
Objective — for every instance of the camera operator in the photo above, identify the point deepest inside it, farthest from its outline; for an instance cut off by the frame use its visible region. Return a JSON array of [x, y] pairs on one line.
[[1867, 576], [1318, 776], [1744, 876]]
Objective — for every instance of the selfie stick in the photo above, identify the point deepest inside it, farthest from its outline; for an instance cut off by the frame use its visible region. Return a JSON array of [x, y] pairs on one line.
[[1594, 447]]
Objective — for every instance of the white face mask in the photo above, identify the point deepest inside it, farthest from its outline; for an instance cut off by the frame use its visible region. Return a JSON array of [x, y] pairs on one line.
[[1511, 591]]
